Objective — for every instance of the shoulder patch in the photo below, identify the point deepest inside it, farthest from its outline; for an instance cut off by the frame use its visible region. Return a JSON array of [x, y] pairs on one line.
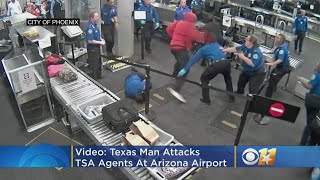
[[281, 51], [313, 77], [255, 56], [90, 31]]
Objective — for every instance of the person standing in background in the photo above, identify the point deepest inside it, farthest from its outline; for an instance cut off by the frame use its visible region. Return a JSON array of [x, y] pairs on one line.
[[111, 23], [300, 28], [181, 10], [43, 10], [94, 41], [152, 17], [14, 8]]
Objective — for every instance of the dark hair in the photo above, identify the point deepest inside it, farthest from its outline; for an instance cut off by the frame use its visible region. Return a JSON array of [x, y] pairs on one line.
[[253, 39], [91, 15], [140, 98], [282, 37]]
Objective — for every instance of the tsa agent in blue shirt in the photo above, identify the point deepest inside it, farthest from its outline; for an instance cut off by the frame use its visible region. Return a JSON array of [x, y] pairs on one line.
[[94, 41], [253, 65], [217, 64], [300, 28], [281, 61], [152, 17], [135, 85], [181, 10], [109, 16], [311, 102]]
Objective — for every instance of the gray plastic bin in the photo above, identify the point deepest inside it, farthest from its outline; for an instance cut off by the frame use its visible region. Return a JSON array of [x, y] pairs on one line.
[[96, 101]]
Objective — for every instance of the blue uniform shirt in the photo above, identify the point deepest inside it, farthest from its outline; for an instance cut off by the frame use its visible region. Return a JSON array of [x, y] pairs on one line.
[[152, 14], [301, 23], [282, 53], [108, 13], [134, 85], [179, 15], [315, 82], [255, 55], [138, 3], [210, 51], [92, 32]]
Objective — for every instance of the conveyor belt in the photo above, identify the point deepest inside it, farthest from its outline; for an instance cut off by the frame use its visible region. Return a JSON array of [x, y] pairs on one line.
[[75, 92]]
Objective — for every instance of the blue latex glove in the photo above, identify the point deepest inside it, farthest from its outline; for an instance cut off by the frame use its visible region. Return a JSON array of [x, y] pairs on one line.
[[293, 30], [157, 25], [143, 22], [182, 72]]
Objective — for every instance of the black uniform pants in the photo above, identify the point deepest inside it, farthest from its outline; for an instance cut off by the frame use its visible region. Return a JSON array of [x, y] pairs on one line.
[[94, 60], [220, 67], [255, 80], [300, 38], [148, 32], [108, 33], [312, 109], [182, 58], [275, 77]]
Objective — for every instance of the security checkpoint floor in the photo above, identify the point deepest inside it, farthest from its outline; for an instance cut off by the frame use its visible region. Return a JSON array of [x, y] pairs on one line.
[[192, 123]]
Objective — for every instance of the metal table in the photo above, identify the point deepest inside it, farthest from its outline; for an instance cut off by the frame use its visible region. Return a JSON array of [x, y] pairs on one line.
[[166, 12], [43, 33]]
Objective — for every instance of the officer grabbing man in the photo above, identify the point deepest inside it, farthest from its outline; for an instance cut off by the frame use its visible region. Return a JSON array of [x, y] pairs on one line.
[[152, 17], [111, 23], [217, 64], [300, 28], [181, 10], [252, 63], [94, 41], [281, 61]]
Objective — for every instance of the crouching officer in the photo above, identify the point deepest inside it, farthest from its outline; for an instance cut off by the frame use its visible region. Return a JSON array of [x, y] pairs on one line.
[[152, 17], [217, 64], [94, 42], [252, 63], [281, 56], [110, 19]]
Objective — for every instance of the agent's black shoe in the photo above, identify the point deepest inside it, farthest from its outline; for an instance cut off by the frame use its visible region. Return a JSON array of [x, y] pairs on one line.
[[206, 101]]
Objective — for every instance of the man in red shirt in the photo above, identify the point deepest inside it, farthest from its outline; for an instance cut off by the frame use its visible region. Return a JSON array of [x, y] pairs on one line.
[[34, 10], [182, 34]]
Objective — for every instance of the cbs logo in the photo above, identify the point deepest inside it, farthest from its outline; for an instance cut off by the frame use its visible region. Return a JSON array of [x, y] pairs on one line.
[[264, 157]]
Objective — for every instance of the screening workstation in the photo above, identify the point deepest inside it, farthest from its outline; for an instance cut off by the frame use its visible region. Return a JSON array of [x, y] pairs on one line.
[[163, 75]]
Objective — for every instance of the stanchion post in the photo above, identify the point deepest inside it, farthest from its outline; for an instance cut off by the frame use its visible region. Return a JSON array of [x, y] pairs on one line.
[[142, 60], [243, 121], [150, 115], [142, 42]]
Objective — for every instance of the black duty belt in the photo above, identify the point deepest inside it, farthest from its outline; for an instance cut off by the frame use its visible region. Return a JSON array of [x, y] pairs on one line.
[[212, 62]]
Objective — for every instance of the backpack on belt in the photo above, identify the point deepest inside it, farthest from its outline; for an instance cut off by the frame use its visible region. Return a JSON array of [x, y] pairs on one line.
[[119, 115]]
